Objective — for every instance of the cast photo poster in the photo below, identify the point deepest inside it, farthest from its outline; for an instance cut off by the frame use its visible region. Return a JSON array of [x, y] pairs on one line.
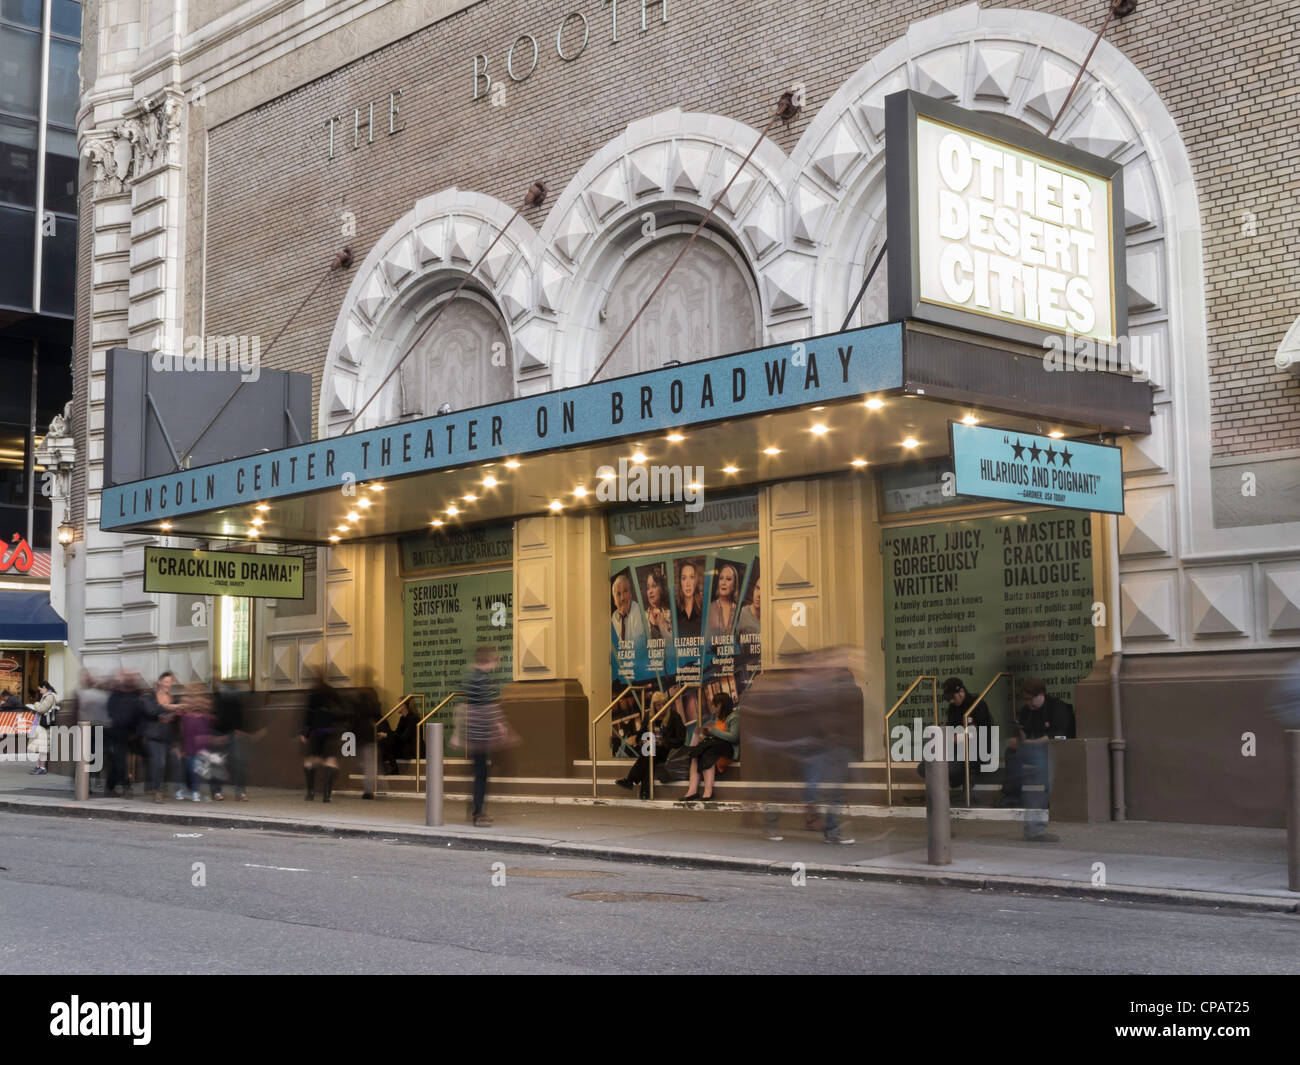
[[686, 617]]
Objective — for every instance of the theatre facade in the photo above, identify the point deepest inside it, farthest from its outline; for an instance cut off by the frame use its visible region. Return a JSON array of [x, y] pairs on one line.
[[994, 403]]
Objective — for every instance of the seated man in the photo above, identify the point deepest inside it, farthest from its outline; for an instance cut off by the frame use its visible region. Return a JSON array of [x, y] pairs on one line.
[[954, 691], [397, 739]]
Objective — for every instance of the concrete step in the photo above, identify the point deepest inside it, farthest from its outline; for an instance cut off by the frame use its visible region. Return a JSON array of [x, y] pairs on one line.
[[871, 793]]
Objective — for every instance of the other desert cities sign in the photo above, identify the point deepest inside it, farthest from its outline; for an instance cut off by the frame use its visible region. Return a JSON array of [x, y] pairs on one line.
[[1010, 234]]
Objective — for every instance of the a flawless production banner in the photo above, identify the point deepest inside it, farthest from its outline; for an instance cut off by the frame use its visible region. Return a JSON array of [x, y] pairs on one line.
[[446, 618], [972, 598], [689, 616]]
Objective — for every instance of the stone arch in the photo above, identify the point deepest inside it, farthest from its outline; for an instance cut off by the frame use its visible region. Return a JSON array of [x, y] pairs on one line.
[[1021, 64], [673, 164], [419, 259], [708, 306]]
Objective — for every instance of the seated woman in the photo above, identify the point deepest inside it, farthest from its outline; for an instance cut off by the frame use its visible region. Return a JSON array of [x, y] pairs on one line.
[[715, 747], [670, 733]]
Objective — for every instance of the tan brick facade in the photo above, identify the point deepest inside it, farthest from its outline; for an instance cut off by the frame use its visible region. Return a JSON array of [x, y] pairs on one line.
[[275, 203]]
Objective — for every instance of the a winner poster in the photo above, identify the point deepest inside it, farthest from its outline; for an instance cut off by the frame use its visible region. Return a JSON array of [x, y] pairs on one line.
[[686, 617]]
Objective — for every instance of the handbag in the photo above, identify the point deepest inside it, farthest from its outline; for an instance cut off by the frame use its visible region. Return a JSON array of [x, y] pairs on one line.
[[677, 766]]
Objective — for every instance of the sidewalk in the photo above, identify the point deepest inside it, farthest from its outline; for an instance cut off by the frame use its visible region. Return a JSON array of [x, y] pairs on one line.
[[1242, 868]]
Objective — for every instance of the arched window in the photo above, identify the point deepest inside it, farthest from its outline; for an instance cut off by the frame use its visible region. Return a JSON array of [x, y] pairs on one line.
[[709, 305], [464, 361]]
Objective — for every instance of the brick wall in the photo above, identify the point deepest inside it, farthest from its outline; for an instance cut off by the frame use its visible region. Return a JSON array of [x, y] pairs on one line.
[[275, 203]]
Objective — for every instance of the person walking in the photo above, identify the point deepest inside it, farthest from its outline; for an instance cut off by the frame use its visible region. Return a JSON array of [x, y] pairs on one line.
[[320, 737], [125, 709], [157, 728], [46, 708], [486, 728]]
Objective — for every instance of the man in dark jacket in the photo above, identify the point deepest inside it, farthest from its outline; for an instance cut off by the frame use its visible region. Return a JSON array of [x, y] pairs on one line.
[[125, 710], [958, 698], [396, 739]]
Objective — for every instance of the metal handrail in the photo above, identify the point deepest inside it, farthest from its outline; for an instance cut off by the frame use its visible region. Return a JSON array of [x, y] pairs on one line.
[[601, 716], [405, 699], [374, 728], [965, 719], [889, 760], [650, 726], [419, 731]]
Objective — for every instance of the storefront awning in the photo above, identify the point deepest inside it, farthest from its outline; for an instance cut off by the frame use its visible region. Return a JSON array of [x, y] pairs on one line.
[[27, 617], [784, 412]]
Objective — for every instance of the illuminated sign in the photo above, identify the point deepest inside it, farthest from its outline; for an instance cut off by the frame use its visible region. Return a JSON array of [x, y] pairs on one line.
[[1000, 230], [807, 373], [991, 463]]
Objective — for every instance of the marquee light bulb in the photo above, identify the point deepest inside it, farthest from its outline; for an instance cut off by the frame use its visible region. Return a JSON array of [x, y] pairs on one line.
[[771, 451], [730, 469], [819, 429], [556, 505], [580, 492], [874, 404], [970, 419], [911, 442], [490, 482], [512, 464]]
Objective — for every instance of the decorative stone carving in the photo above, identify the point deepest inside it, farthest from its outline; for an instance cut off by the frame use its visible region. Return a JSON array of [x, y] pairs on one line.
[[137, 146]]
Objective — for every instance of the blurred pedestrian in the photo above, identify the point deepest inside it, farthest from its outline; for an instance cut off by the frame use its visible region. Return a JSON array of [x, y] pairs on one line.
[[196, 743], [486, 728], [366, 710], [320, 738], [231, 735], [1041, 717], [806, 724], [125, 710]]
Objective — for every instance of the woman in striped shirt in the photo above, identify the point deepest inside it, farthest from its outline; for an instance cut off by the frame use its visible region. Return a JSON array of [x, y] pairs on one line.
[[485, 724]]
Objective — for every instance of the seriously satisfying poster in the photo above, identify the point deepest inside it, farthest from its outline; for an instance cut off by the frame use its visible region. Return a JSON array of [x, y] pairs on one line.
[[973, 598], [689, 616], [446, 619]]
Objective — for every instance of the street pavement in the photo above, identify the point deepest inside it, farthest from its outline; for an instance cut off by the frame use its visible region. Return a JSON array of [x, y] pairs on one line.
[[1138, 861], [85, 896]]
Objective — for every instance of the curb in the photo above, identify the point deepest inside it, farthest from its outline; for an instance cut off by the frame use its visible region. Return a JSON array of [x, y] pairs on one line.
[[479, 841]]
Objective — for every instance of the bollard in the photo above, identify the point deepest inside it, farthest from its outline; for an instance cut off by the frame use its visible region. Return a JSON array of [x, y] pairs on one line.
[[433, 774], [372, 770], [1293, 808], [938, 821], [82, 770]]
